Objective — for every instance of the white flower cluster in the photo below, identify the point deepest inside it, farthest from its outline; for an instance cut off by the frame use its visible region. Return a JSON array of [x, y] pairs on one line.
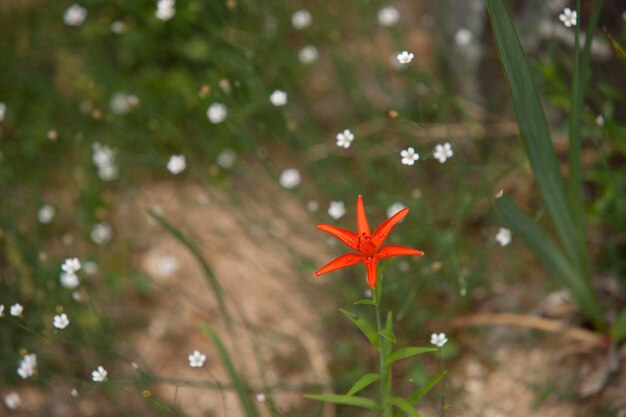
[[104, 160], [123, 102], [217, 113], [336, 209], [165, 9], [394, 208], [15, 310], [443, 152], [176, 164], [3, 110], [278, 98], [308, 54], [101, 233], [28, 366], [46, 214], [69, 278], [301, 19], [289, 178], [405, 57], [60, 321], [99, 375], [388, 16], [504, 236], [75, 15], [12, 400]]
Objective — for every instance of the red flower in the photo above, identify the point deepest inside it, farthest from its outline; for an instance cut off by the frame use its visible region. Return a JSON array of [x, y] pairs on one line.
[[367, 244]]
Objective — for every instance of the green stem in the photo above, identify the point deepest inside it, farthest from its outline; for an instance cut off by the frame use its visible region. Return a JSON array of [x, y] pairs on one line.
[[385, 371]]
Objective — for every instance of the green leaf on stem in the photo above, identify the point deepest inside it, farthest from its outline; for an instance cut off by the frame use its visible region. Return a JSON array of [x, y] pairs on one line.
[[387, 332], [407, 353], [405, 406], [364, 326], [363, 382], [423, 390], [345, 400], [365, 301]]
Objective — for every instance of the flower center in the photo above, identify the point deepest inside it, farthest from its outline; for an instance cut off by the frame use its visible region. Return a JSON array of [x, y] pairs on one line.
[[365, 245]]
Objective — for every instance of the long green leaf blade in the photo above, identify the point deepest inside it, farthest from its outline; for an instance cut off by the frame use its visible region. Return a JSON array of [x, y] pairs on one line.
[[534, 129], [364, 326], [363, 382], [547, 252], [405, 406], [407, 353], [345, 400], [419, 394], [197, 253], [243, 391]]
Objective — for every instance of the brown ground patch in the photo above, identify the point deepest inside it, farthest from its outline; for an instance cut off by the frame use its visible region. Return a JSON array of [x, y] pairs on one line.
[[253, 241]]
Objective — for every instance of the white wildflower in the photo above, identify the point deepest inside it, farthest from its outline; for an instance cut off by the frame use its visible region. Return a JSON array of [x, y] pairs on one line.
[[16, 310], [28, 366], [289, 178], [46, 214], [117, 26], [278, 98], [167, 266], [301, 19], [568, 17], [1, 310], [217, 113], [463, 37], [336, 209], [409, 156], [101, 233], [176, 164], [99, 375], [388, 16], [438, 340], [75, 15], [443, 152], [260, 397], [308, 54], [69, 280], [600, 120], [123, 102], [3, 110], [196, 359], [104, 160], [405, 57], [344, 139], [165, 9], [12, 400], [503, 237], [227, 158], [60, 321], [394, 208]]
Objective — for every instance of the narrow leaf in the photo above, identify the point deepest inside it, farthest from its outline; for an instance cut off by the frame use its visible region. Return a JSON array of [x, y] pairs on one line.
[[387, 332], [405, 406], [534, 130], [419, 394], [552, 258], [243, 391], [195, 251], [364, 326], [363, 382], [407, 353], [345, 400], [365, 301]]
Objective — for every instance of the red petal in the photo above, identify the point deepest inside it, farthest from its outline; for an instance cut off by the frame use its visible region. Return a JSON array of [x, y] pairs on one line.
[[362, 225], [343, 261], [380, 234], [370, 266], [346, 236], [396, 250]]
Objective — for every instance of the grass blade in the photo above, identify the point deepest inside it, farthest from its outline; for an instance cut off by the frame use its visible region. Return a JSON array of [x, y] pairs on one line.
[[206, 268], [345, 400], [405, 406], [243, 392], [552, 258], [534, 130], [363, 382]]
